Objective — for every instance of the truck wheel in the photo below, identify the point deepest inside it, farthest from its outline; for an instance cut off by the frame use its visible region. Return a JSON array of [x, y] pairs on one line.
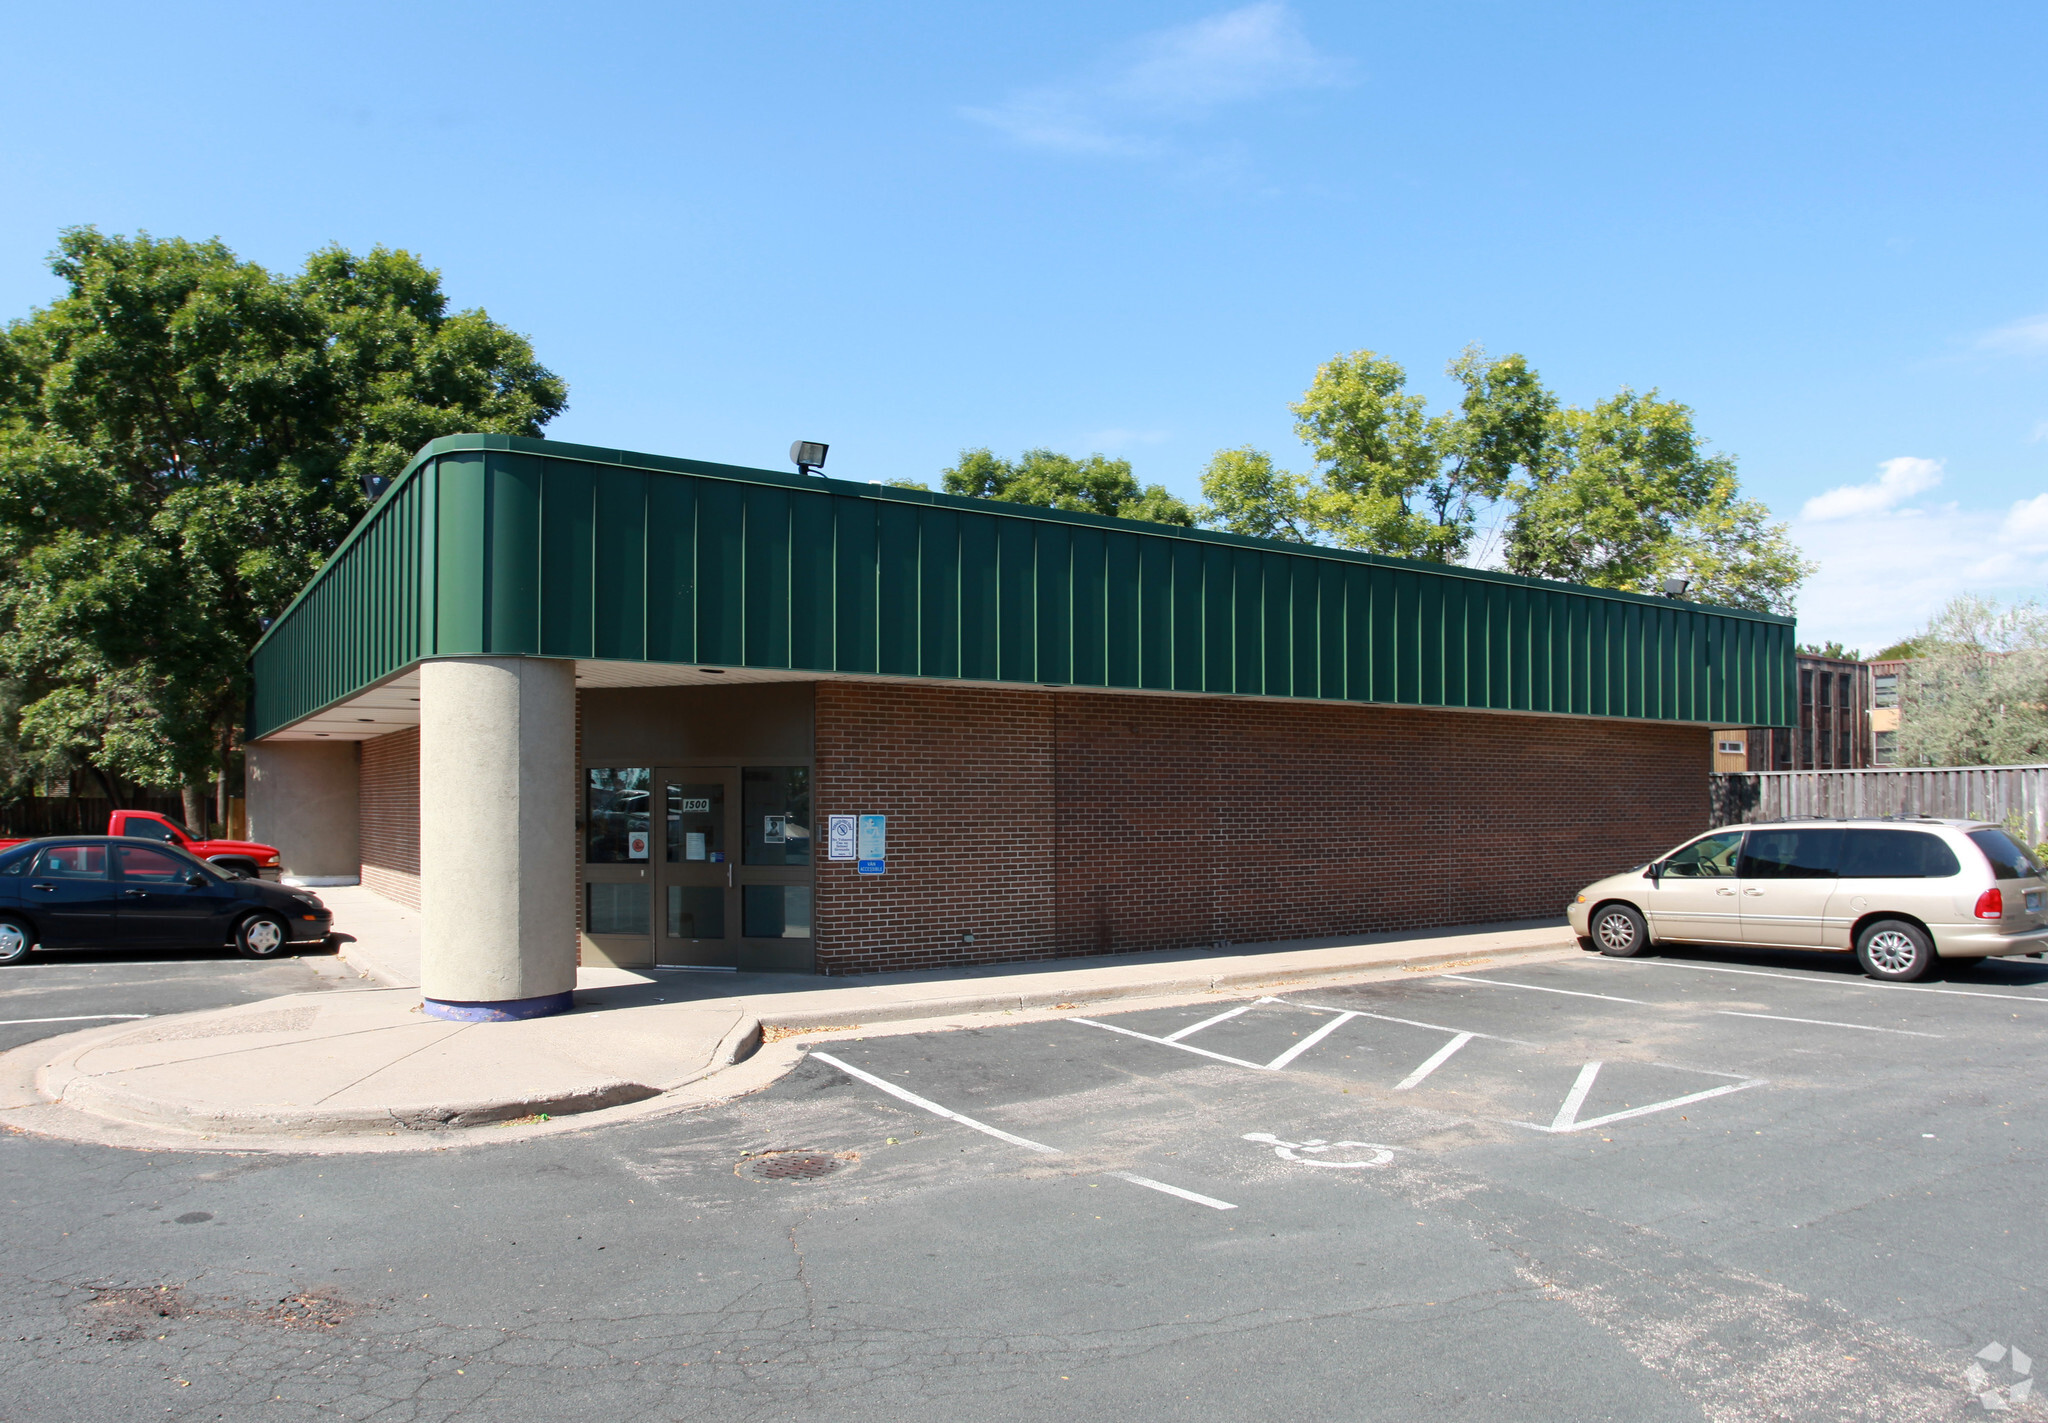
[[1894, 951], [16, 939], [262, 936], [1620, 932]]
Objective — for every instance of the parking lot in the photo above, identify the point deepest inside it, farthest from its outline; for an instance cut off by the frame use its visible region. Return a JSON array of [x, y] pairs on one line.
[[1690, 1187]]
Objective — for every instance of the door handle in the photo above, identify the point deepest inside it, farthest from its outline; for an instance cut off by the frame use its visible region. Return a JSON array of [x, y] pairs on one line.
[[1729, 892], [45, 888], [135, 894], [1752, 891]]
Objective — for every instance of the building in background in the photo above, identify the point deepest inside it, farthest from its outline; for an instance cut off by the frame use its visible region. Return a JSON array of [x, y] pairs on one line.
[[1887, 690], [1836, 730]]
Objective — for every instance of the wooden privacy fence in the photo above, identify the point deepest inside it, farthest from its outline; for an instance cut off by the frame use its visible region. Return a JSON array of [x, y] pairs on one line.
[[75, 815], [1960, 792]]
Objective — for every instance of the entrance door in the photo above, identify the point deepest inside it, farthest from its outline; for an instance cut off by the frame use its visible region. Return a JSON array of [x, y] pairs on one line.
[[695, 925]]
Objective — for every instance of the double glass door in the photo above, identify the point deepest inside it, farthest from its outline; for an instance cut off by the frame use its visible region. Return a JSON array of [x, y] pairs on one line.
[[723, 877]]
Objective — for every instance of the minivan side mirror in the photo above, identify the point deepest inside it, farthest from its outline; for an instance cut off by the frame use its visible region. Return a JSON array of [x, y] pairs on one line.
[[1655, 873]]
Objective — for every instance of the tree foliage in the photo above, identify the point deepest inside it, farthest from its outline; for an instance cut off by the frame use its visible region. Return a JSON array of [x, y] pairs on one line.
[[1978, 696], [1094, 485], [1622, 495], [182, 436]]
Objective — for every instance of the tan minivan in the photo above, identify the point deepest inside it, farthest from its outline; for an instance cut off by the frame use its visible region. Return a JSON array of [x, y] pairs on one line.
[[1898, 893]]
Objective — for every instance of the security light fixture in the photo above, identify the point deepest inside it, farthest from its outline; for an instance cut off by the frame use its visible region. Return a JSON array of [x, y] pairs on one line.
[[1675, 587], [374, 486], [808, 456]]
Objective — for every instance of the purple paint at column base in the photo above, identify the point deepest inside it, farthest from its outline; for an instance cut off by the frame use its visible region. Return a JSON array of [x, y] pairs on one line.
[[503, 1010]]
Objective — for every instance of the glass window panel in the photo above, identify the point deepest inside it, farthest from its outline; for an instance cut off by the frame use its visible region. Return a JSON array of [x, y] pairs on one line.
[[73, 862], [2008, 860], [696, 823], [1896, 854], [775, 803], [1884, 690], [616, 814], [776, 911], [616, 908], [1711, 858], [140, 862], [1791, 854], [696, 911]]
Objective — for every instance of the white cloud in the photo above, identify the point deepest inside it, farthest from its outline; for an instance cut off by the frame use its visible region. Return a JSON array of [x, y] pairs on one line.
[[2026, 337], [1886, 569], [1171, 77], [1899, 479]]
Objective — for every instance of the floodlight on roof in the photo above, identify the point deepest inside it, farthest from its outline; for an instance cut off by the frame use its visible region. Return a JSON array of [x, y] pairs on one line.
[[1674, 587], [808, 456]]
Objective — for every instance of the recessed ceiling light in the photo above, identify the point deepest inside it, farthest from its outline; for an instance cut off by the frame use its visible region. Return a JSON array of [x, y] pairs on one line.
[[714, 671], [366, 718]]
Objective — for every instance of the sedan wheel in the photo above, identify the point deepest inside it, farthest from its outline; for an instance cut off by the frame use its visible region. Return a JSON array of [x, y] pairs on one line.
[[16, 940], [1895, 951], [262, 936], [1620, 932]]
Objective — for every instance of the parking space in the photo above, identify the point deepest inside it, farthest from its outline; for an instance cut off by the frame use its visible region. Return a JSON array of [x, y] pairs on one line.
[[63, 993]]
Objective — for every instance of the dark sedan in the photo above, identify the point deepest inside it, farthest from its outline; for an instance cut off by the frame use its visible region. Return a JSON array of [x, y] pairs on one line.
[[103, 892]]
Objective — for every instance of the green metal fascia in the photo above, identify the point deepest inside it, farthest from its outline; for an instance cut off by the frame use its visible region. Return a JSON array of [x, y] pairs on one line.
[[500, 545]]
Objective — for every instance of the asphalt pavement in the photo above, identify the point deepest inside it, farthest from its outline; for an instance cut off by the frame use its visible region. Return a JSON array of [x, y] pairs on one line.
[[57, 993], [1702, 1187]]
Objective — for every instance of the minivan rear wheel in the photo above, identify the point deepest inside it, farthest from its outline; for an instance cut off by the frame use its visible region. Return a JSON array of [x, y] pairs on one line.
[[1895, 951], [1620, 932]]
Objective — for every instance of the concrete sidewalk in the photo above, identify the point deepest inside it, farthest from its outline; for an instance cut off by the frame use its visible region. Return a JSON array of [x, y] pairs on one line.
[[367, 1070]]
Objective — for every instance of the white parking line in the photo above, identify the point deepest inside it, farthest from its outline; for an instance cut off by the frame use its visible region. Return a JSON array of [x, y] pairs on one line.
[[1310, 1041], [1404, 1022], [1576, 1098], [925, 1104], [80, 1018], [1193, 1028], [1835, 983], [1539, 988], [1167, 1042], [1567, 1118], [1436, 1059], [1825, 1023]]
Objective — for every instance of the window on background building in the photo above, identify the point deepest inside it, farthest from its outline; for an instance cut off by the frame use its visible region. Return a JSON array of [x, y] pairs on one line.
[[1806, 748], [1886, 752], [1730, 748], [1806, 689], [1884, 689], [1781, 750], [1827, 749], [1825, 683], [1847, 697]]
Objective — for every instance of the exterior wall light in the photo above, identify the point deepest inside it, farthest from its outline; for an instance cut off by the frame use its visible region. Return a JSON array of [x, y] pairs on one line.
[[808, 456]]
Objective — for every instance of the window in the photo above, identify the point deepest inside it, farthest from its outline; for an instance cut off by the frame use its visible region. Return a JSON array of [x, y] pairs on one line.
[[615, 816], [1886, 751], [72, 862], [2008, 860], [616, 908], [1846, 699], [1896, 854], [775, 805], [1711, 858], [1884, 689], [1791, 854], [1825, 683], [1730, 748], [696, 828], [1781, 749], [1806, 747], [141, 827], [17, 862], [1806, 689], [1827, 749], [776, 911], [146, 862]]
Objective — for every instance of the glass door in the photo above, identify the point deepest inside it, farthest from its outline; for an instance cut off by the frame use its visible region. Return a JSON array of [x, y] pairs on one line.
[[775, 876], [695, 922]]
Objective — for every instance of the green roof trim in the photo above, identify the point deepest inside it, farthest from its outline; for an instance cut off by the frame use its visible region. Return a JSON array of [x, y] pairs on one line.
[[504, 545]]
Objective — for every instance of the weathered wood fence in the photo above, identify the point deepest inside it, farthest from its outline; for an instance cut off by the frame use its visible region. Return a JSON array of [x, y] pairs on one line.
[[76, 815], [1963, 792]]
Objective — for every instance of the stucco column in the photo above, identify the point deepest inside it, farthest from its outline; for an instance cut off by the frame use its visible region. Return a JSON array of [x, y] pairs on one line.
[[497, 827], [302, 799]]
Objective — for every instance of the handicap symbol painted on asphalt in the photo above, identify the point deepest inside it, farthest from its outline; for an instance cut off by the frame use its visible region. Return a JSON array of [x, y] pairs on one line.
[[1381, 1155]]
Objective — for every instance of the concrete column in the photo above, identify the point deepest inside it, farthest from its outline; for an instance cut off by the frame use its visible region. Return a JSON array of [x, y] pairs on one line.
[[497, 828], [302, 799]]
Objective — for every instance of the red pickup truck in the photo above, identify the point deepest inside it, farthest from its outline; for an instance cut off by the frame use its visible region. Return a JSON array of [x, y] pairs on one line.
[[245, 856]]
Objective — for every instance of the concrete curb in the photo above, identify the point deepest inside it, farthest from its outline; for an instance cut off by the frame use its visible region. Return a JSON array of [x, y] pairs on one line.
[[58, 1099]]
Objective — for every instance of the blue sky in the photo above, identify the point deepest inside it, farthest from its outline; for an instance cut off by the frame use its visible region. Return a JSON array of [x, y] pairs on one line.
[[1138, 227]]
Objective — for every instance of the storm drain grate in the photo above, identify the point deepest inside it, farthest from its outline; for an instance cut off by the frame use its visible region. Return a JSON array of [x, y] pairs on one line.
[[789, 1165]]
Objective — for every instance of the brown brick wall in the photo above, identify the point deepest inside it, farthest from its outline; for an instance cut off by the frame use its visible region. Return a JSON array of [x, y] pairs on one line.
[[389, 801], [1057, 823]]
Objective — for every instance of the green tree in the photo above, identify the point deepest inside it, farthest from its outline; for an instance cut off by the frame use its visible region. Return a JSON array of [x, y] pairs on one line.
[[1623, 495], [1979, 694], [182, 439], [1830, 649], [1094, 485]]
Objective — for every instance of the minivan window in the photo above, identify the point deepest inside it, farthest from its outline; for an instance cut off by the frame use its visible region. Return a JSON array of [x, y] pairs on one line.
[[1897, 854], [1711, 858], [2008, 860], [1791, 854]]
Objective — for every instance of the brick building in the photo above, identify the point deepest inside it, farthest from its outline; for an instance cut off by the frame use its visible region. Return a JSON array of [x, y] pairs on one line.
[[587, 705], [1847, 720]]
